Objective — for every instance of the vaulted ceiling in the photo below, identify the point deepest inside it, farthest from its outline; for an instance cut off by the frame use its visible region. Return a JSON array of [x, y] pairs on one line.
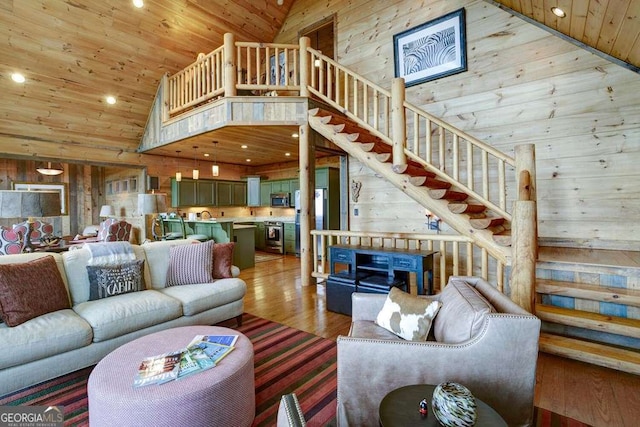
[[74, 53]]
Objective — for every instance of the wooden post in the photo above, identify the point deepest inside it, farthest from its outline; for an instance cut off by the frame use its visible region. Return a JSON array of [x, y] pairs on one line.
[[398, 121], [165, 101], [307, 207], [229, 65], [305, 66], [524, 231]]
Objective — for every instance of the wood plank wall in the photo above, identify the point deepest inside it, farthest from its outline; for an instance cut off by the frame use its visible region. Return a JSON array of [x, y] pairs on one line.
[[523, 85]]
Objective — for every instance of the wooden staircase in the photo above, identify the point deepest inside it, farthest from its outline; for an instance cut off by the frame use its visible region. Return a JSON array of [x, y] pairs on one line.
[[435, 191], [596, 322]]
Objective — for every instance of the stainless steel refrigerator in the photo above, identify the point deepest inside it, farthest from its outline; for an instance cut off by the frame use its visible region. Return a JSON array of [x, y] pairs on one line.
[[320, 205]]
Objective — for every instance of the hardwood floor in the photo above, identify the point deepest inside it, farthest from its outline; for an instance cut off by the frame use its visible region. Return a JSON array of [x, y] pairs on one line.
[[597, 396]]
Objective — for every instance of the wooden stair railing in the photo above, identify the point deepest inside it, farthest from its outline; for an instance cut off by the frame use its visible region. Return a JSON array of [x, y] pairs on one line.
[[430, 184]]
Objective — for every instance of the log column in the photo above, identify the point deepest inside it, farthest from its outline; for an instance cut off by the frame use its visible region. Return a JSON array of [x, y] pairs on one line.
[[307, 208], [229, 65], [524, 230], [305, 67], [398, 121]]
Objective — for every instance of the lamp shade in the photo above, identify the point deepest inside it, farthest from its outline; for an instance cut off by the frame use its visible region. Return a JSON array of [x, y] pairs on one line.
[[152, 203], [25, 204], [49, 169], [107, 210]]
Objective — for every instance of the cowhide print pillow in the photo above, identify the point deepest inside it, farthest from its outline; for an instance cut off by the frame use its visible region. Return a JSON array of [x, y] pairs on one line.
[[407, 316]]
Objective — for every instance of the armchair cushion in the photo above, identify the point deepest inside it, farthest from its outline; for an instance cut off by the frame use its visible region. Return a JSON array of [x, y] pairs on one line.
[[407, 316], [462, 314]]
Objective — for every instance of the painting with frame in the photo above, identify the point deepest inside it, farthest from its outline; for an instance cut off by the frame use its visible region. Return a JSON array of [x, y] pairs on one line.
[[61, 188], [432, 50]]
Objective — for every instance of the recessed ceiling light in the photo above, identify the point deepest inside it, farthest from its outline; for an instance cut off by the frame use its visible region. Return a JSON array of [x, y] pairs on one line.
[[111, 100], [287, 154], [558, 12], [294, 135], [18, 78], [206, 154], [244, 146], [248, 160], [138, 3]]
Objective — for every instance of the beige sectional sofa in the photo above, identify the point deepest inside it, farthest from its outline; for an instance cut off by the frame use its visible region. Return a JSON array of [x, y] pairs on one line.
[[63, 341]]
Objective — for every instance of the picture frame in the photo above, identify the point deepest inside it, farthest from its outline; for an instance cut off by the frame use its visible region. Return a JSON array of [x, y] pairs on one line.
[[38, 186], [432, 50]]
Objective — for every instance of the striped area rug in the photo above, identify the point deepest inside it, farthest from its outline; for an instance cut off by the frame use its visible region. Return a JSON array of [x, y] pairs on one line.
[[286, 360]]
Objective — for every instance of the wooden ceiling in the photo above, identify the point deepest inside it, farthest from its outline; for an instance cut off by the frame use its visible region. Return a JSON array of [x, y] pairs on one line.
[[608, 26], [75, 52]]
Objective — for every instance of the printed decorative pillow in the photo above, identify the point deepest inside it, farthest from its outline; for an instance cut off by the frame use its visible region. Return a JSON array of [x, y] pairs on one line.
[[407, 316], [222, 260], [31, 289], [109, 280], [190, 264]]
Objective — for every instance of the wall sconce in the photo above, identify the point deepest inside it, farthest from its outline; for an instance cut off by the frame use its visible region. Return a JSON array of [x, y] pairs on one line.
[[433, 222]]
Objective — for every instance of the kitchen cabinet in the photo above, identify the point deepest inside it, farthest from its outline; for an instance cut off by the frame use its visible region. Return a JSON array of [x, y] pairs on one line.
[[294, 184], [244, 249], [280, 186], [231, 193], [239, 193], [183, 193], [208, 192], [253, 191], [289, 238], [205, 193], [322, 178], [260, 240], [265, 193]]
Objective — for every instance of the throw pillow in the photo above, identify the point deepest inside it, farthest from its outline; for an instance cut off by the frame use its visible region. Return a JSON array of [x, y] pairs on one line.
[[109, 280], [190, 264], [31, 289], [408, 316], [222, 260]]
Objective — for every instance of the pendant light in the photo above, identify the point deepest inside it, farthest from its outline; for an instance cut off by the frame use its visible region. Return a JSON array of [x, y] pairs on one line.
[[215, 170], [196, 172], [178, 174], [50, 170]]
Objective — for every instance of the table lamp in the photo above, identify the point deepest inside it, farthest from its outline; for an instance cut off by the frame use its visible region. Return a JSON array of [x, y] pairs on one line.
[[152, 204], [106, 211], [29, 204]]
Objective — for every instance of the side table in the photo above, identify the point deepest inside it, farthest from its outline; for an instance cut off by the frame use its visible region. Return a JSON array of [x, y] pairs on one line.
[[400, 408]]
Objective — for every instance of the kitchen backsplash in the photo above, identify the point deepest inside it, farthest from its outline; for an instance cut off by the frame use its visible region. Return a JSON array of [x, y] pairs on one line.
[[242, 212]]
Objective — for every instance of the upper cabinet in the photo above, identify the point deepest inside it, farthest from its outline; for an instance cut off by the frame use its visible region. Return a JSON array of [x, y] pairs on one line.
[[206, 192]]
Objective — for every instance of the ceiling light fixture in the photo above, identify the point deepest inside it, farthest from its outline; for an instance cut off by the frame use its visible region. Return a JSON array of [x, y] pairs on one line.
[[248, 160], [178, 174], [294, 135], [196, 172], [215, 170], [138, 3], [50, 170], [111, 100], [18, 78], [558, 12], [244, 146], [287, 154]]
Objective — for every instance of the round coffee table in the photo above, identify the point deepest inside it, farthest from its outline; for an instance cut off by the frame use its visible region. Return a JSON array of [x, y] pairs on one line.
[[400, 408], [221, 396]]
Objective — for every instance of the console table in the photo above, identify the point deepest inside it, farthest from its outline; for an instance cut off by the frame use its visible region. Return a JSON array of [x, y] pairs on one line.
[[389, 261]]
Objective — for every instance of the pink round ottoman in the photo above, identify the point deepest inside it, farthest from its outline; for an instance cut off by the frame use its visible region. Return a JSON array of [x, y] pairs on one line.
[[221, 396]]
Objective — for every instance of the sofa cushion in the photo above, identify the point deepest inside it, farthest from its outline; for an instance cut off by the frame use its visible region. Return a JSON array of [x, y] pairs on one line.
[[75, 266], [121, 314], [44, 336], [109, 280], [30, 289], [462, 314], [190, 264], [201, 297], [369, 330], [408, 316], [222, 260]]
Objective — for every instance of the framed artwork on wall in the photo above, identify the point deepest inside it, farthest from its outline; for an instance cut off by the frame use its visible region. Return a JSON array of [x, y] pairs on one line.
[[432, 50], [37, 186]]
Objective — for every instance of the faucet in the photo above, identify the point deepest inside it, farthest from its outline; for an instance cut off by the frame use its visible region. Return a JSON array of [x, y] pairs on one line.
[[207, 212]]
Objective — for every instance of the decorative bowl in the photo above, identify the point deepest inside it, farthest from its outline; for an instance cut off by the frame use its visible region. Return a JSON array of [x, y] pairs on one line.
[[453, 405]]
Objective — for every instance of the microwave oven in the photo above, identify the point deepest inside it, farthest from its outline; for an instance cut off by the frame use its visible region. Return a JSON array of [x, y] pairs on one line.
[[280, 200]]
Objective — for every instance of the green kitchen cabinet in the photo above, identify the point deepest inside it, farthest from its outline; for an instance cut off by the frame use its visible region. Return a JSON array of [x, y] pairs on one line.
[[183, 193], [205, 193], [289, 238], [253, 191], [280, 186], [260, 239], [294, 185], [224, 193], [265, 193], [239, 194], [322, 178]]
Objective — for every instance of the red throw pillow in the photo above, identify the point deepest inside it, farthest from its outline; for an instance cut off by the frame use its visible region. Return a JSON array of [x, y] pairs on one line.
[[31, 289], [222, 260]]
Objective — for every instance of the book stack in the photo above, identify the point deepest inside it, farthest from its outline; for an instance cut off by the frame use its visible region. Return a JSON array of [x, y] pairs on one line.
[[202, 353]]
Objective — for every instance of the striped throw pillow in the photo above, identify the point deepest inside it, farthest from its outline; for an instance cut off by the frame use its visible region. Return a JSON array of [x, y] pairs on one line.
[[190, 264]]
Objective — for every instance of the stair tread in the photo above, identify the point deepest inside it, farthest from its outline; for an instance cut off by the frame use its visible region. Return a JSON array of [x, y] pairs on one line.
[[586, 351], [591, 292], [589, 320]]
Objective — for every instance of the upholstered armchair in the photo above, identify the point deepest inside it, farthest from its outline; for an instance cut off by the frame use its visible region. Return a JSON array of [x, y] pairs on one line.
[[479, 338], [40, 228], [118, 231], [10, 241]]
